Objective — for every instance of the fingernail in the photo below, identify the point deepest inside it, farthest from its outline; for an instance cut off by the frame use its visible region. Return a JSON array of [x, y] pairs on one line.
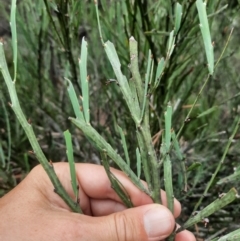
[[158, 223]]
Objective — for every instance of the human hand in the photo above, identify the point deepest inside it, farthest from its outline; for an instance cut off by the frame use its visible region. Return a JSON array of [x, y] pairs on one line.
[[32, 211]]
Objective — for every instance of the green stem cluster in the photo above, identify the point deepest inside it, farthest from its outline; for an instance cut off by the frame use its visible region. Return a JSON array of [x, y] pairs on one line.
[[48, 167]]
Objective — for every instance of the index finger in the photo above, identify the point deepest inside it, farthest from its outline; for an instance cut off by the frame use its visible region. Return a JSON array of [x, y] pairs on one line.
[[95, 185]]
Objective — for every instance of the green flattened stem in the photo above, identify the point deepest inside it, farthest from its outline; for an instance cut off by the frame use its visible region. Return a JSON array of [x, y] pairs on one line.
[[204, 26], [59, 189], [151, 72], [101, 145], [167, 162], [84, 80], [147, 80], [150, 163], [181, 158], [133, 47], [98, 20], [168, 124], [74, 100], [144, 158], [159, 73], [115, 183], [168, 182], [233, 236], [231, 178], [133, 92], [171, 44], [139, 163], [194, 166], [208, 111], [124, 144], [69, 152], [129, 92], [14, 36], [178, 17], [148, 156], [223, 200], [122, 81]]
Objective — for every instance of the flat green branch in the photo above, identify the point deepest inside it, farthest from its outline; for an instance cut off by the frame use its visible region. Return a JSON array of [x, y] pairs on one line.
[[233, 236], [167, 161], [115, 183], [223, 200], [133, 45], [133, 105], [59, 189], [181, 159], [151, 161], [70, 156], [101, 144], [149, 158], [145, 163]]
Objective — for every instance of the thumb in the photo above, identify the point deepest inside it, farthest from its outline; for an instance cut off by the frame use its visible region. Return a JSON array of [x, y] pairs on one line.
[[144, 223]]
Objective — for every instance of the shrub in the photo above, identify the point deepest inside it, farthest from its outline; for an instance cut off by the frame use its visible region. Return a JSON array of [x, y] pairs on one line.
[[159, 109]]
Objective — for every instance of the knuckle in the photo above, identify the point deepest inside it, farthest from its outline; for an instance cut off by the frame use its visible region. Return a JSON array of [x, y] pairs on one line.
[[124, 228]]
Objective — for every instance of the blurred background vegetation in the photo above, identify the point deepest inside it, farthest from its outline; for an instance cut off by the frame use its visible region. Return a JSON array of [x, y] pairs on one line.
[[49, 40]]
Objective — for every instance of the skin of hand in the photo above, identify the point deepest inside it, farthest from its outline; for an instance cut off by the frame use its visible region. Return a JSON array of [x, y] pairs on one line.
[[33, 211]]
